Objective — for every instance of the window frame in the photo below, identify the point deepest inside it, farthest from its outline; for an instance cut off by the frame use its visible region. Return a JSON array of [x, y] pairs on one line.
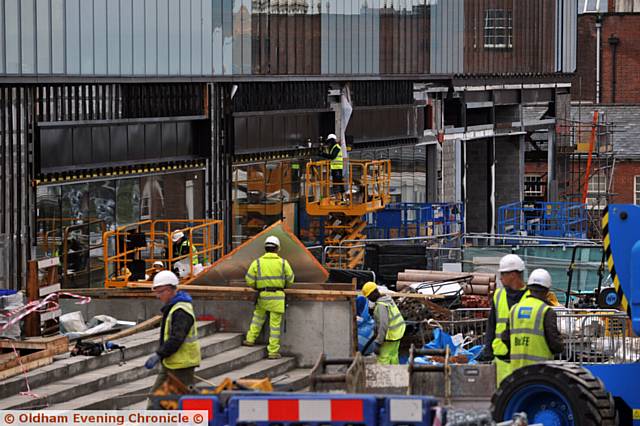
[[491, 33]]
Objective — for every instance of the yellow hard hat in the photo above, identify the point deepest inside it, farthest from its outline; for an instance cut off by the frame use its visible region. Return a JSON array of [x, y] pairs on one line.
[[368, 288]]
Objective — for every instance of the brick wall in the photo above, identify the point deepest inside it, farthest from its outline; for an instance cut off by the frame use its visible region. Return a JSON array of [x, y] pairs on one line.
[[623, 181], [626, 27], [583, 86]]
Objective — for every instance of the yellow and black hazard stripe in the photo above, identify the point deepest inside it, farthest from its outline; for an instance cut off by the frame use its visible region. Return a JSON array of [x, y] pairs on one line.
[[624, 304]]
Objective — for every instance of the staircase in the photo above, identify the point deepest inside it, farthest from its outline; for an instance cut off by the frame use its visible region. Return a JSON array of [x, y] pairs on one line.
[[101, 383], [339, 228]]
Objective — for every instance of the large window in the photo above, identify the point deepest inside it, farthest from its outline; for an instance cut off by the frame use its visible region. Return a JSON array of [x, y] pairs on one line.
[[498, 29], [597, 191], [72, 218]]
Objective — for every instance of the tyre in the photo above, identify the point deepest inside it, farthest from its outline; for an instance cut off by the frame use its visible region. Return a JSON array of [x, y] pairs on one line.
[[608, 298], [555, 393]]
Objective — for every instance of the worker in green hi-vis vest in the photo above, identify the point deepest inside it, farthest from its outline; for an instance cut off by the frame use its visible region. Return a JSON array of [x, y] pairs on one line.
[[390, 325], [336, 156], [532, 334], [269, 275], [514, 288]]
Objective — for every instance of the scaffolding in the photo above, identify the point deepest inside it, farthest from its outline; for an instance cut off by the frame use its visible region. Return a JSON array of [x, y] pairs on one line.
[[586, 156]]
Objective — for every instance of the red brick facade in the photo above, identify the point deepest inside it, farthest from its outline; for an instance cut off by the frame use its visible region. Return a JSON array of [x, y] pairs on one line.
[[626, 28], [623, 189]]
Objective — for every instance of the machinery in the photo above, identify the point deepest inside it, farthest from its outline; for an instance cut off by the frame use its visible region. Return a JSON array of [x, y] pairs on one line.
[[602, 388], [364, 189]]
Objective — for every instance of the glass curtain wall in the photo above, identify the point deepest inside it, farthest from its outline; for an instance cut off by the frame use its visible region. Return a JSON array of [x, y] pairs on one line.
[[72, 218], [264, 193]]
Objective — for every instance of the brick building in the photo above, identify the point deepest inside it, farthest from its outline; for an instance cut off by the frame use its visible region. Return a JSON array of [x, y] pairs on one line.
[[608, 52]]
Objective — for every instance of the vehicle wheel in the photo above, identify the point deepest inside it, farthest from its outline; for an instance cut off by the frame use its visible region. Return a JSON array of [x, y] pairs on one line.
[[608, 298], [555, 393]]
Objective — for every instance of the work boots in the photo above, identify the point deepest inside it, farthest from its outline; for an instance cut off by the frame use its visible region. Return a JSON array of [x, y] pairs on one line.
[[274, 356], [247, 343]]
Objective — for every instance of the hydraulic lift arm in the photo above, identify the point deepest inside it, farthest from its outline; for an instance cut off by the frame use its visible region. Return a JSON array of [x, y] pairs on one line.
[[621, 225]]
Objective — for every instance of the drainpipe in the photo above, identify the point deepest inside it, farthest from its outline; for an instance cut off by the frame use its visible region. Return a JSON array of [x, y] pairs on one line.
[[613, 42], [598, 41]]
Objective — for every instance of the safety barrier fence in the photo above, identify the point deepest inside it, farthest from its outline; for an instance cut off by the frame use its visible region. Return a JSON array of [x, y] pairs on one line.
[[598, 336], [549, 219], [131, 250], [363, 189], [313, 409], [402, 220]]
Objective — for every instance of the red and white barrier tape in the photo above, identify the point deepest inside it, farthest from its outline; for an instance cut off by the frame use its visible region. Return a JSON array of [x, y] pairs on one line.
[[45, 305]]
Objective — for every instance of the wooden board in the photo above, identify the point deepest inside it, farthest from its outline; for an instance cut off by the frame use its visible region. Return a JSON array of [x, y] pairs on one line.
[[289, 291], [56, 344], [25, 359], [5, 374]]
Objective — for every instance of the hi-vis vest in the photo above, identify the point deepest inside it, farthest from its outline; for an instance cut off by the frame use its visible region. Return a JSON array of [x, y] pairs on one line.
[[188, 354], [338, 162], [502, 319], [270, 274], [396, 328], [194, 256], [528, 344]]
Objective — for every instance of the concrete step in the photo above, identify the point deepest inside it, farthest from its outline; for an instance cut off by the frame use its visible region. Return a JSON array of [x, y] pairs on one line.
[[259, 370], [97, 380], [125, 394], [65, 366], [293, 380]]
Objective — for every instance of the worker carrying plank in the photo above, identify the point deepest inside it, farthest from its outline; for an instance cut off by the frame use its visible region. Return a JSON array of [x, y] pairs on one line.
[[389, 322], [512, 277], [532, 332], [269, 275], [179, 351]]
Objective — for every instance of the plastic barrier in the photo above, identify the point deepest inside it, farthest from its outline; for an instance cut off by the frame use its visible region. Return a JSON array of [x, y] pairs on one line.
[[308, 409], [211, 404], [407, 410]]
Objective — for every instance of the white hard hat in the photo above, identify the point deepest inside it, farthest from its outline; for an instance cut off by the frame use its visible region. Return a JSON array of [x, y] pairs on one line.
[[540, 277], [163, 278], [272, 241], [175, 237], [332, 136], [158, 263], [511, 262]]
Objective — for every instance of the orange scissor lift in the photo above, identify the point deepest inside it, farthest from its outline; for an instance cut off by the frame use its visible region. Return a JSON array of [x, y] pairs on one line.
[[365, 189], [141, 244]]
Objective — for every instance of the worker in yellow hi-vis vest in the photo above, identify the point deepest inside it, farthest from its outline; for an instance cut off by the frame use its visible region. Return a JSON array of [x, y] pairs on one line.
[[512, 278], [336, 165], [269, 275], [390, 325], [179, 351], [532, 332]]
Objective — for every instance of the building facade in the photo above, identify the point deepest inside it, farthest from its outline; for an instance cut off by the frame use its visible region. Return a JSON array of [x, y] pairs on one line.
[[114, 111]]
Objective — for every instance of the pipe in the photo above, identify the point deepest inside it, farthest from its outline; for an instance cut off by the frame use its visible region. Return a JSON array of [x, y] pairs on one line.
[[613, 42], [598, 41]]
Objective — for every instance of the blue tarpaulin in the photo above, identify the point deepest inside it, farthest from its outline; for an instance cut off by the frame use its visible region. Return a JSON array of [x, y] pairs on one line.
[[441, 340]]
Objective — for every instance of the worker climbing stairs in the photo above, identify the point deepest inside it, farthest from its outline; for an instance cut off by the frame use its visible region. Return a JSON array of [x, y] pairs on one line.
[[345, 203]]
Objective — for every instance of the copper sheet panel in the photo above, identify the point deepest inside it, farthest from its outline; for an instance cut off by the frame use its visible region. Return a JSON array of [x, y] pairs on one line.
[[234, 265]]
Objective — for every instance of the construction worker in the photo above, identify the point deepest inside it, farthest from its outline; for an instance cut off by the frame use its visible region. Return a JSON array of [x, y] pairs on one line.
[[337, 163], [179, 351], [157, 267], [532, 333], [390, 325], [182, 246], [269, 275], [512, 277]]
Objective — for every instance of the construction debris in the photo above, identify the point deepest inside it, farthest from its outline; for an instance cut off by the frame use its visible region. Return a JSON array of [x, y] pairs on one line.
[[471, 283]]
